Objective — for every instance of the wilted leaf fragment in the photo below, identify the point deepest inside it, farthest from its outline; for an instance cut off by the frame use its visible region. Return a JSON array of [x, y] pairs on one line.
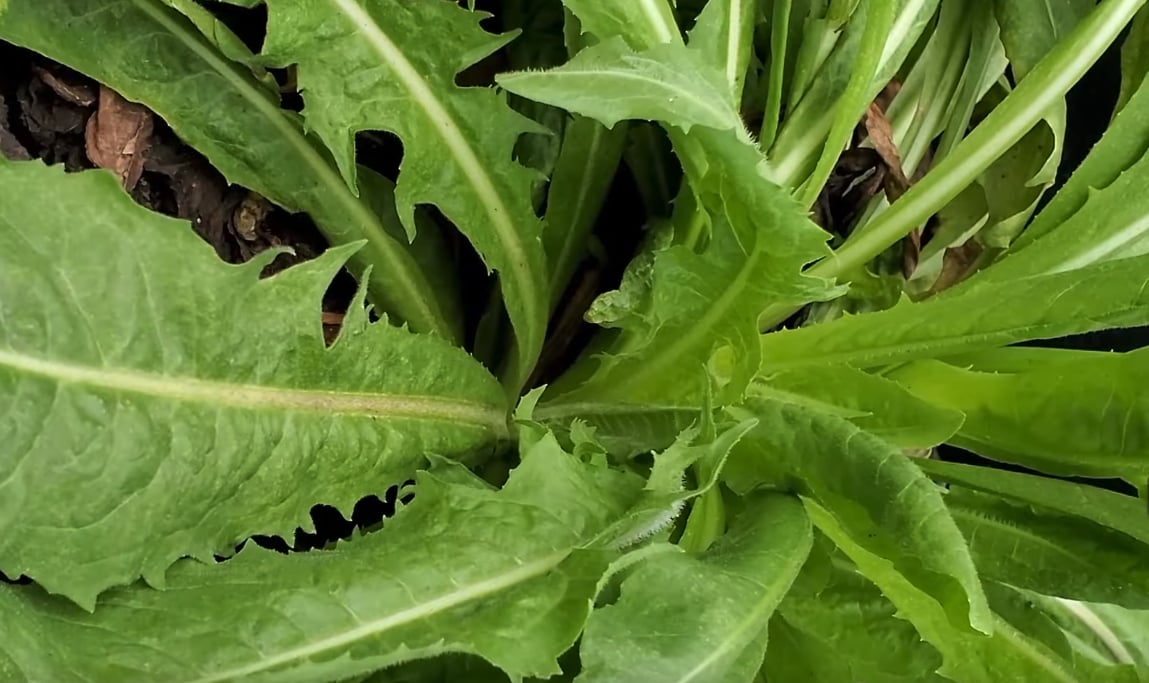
[[118, 136], [179, 393]]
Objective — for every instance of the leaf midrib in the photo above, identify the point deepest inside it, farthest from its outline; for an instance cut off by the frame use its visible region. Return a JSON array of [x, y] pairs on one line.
[[461, 595], [260, 397], [520, 263], [398, 268]]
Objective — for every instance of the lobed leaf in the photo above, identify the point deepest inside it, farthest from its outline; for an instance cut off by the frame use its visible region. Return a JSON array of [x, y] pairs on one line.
[[460, 569], [180, 75], [182, 411], [391, 65]]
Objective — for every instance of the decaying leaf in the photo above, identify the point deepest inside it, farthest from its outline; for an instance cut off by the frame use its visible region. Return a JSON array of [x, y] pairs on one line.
[[118, 137]]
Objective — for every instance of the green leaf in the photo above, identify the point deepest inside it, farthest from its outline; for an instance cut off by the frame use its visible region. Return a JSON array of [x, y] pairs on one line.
[[724, 33], [857, 96], [1121, 513], [610, 82], [665, 493], [684, 618], [391, 65], [701, 310], [1134, 59], [217, 107], [183, 409], [642, 23], [1107, 295], [803, 135], [1077, 418], [1051, 553], [1031, 28], [877, 495], [1009, 655], [679, 309], [846, 630], [1100, 214], [875, 404], [460, 569], [1108, 633], [583, 175]]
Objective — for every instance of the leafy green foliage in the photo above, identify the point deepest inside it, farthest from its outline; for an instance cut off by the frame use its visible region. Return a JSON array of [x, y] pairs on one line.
[[192, 399], [737, 469], [383, 65], [718, 632], [254, 143]]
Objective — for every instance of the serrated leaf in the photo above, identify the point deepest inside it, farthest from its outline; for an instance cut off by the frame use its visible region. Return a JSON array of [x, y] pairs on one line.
[[217, 107], [460, 569], [1083, 417], [897, 513], [183, 409], [391, 65], [683, 618], [702, 309], [1107, 295]]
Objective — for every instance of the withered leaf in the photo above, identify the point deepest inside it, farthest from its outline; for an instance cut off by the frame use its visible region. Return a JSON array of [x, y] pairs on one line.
[[118, 137]]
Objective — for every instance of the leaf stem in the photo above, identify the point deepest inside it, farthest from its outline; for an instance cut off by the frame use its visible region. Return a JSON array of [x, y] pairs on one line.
[[779, 37]]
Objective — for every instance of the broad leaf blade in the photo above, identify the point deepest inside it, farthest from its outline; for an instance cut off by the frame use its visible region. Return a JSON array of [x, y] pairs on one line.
[[461, 569], [217, 107], [391, 65], [183, 409], [682, 618]]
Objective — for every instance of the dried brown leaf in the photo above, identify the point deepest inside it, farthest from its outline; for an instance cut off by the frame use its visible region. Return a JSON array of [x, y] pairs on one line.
[[118, 137]]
